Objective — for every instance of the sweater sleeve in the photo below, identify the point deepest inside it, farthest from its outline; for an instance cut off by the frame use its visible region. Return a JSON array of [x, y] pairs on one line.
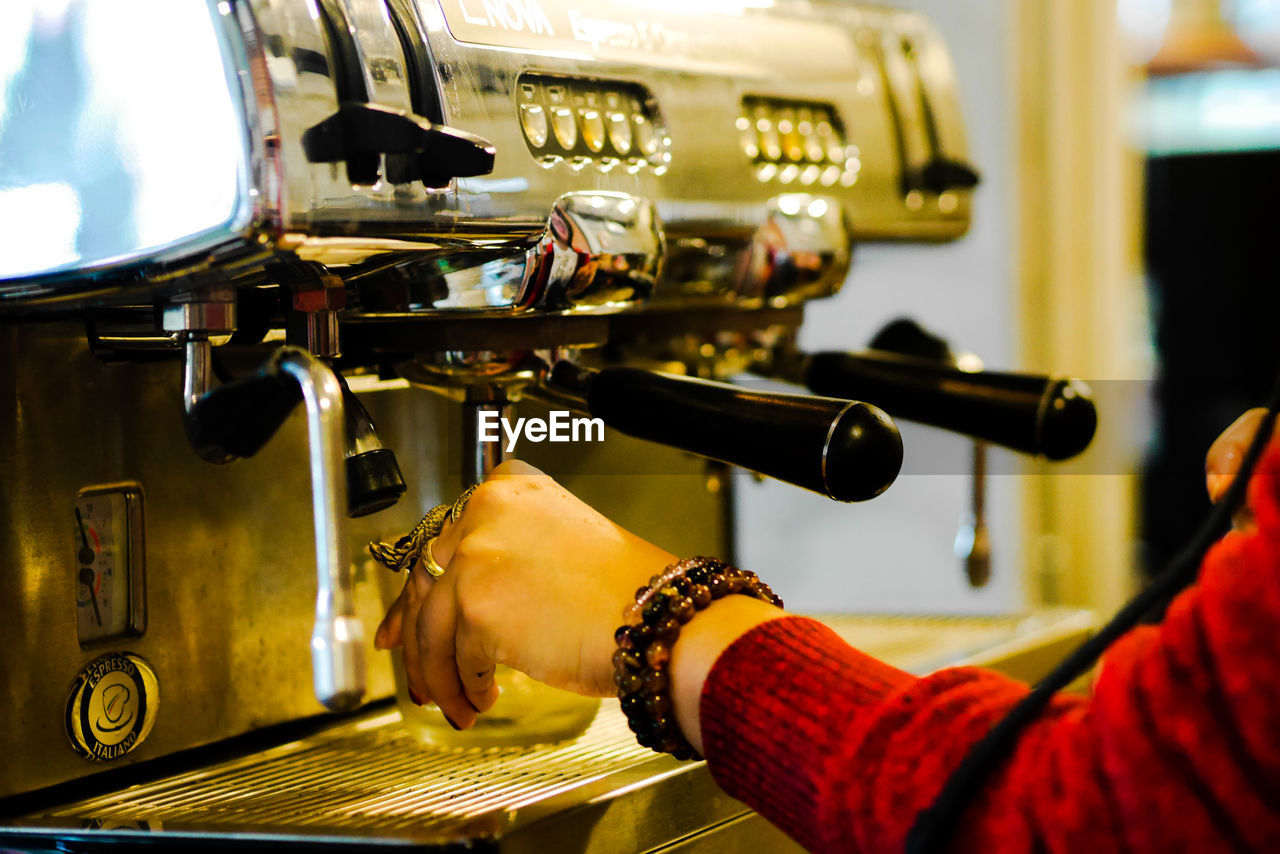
[[1177, 749]]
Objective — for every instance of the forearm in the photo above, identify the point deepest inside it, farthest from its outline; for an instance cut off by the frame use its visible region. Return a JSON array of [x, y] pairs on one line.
[[1175, 750], [701, 643]]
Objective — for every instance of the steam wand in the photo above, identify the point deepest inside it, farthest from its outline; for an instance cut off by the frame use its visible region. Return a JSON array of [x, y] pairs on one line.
[[235, 420], [337, 641]]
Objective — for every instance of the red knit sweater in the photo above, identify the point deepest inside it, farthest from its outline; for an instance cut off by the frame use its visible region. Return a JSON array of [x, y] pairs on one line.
[[1177, 749]]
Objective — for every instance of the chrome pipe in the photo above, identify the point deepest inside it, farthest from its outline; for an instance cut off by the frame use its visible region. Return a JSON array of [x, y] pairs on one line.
[[197, 371], [337, 641]]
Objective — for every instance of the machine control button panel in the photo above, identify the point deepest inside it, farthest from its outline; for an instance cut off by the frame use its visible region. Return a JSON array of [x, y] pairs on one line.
[[600, 123], [797, 142]]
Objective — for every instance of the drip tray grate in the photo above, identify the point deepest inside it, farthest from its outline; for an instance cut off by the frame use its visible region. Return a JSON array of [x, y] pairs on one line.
[[372, 774]]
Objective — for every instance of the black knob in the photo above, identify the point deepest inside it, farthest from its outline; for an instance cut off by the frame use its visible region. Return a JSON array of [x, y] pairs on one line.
[[845, 450], [907, 338], [236, 419], [374, 482], [424, 151]]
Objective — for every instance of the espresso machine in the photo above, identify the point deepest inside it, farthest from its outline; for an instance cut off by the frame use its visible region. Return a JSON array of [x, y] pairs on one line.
[[410, 217]]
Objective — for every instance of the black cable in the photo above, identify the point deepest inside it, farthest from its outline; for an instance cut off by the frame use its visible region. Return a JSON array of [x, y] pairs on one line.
[[935, 825]]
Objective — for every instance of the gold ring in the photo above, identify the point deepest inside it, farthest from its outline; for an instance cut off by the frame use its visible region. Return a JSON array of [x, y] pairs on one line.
[[429, 562]]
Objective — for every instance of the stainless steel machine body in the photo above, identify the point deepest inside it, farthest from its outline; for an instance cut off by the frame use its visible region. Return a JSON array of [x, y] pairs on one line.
[[456, 193], [352, 132]]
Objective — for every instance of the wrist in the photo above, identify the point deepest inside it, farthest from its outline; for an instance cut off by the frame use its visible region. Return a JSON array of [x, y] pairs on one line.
[[647, 645], [702, 642]]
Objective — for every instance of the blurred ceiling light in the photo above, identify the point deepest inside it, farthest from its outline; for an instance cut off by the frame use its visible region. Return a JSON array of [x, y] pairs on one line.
[[1199, 38]]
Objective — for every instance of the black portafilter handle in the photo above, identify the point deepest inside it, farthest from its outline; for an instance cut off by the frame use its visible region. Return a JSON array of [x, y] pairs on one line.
[[846, 450], [1033, 413]]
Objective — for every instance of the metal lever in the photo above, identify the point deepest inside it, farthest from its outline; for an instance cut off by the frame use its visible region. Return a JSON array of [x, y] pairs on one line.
[[973, 541], [238, 418], [358, 131], [845, 450]]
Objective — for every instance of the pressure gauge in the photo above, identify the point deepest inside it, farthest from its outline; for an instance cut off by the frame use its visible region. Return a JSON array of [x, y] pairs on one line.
[[108, 547]]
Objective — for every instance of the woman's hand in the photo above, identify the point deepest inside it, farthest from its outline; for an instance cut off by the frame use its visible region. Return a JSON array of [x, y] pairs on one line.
[[1225, 455], [534, 579]]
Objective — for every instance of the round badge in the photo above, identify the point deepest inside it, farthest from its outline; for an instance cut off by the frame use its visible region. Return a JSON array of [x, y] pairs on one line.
[[112, 706]]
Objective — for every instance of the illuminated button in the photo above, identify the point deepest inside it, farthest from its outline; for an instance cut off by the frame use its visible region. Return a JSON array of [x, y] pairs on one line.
[[768, 140], [830, 175], [645, 137], [810, 174], [789, 136], [620, 133], [813, 148], [592, 129], [566, 129], [533, 119]]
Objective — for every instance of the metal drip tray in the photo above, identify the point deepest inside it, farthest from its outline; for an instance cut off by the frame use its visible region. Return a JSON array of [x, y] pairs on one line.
[[373, 777], [368, 782]]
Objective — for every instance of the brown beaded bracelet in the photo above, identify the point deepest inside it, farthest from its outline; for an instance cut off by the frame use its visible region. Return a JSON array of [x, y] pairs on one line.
[[653, 623]]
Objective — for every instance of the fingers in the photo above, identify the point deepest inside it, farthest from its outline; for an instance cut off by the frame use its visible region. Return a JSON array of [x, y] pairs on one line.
[[388, 634], [417, 590], [476, 670], [437, 624], [445, 661], [1227, 452]]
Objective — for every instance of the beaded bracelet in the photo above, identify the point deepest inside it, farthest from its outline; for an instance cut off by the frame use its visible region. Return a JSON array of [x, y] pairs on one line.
[[652, 625]]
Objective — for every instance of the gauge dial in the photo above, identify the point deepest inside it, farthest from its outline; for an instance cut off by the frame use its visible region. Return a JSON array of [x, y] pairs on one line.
[[106, 534]]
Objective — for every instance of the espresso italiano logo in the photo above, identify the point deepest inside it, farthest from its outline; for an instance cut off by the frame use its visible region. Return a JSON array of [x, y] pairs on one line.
[[560, 426], [112, 706]]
